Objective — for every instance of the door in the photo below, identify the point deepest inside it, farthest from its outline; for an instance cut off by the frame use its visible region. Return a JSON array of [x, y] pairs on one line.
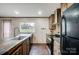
[[71, 36], [72, 21], [64, 42], [74, 46]]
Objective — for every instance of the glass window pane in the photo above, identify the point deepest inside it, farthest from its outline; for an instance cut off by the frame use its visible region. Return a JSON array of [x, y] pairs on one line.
[[27, 27]]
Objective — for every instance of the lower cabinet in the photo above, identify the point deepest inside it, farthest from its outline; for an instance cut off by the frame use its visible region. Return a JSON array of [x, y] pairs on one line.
[[18, 51], [22, 48], [26, 47], [56, 48]]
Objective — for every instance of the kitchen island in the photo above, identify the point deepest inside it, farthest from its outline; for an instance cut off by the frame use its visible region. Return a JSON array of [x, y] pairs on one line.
[[19, 45]]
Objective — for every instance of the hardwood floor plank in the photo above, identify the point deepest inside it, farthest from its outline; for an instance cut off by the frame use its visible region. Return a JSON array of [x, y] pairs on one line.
[[40, 49]]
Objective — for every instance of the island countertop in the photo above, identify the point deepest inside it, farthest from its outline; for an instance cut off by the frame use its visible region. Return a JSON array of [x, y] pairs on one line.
[[8, 44]]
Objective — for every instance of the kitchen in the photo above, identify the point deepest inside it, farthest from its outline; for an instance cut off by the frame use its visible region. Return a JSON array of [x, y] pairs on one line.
[[31, 29], [24, 26]]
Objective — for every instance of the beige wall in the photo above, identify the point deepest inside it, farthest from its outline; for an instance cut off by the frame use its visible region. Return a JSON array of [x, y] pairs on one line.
[[40, 34], [0, 30]]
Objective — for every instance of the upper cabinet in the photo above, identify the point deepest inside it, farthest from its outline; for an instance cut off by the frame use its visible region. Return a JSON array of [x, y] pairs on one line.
[[54, 20], [51, 21], [57, 16], [57, 20], [64, 6]]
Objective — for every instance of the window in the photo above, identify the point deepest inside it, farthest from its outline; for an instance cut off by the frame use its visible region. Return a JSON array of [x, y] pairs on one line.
[[27, 27], [6, 29]]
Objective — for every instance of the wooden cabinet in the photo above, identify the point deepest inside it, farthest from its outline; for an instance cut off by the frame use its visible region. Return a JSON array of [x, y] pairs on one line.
[[54, 21], [18, 51], [56, 48], [26, 46], [64, 6], [53, 26], [22, 48], [57, 13], [15, 50], [51, 21], [57, 20]]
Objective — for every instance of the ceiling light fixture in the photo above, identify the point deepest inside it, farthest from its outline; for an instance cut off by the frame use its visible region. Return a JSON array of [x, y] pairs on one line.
[[40, 12], [16, 12]]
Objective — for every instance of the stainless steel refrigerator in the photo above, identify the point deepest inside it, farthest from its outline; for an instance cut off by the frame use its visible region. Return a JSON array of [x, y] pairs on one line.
[[69, 42]]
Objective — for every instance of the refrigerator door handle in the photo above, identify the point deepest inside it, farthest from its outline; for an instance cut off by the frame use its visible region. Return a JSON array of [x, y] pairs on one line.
[[63, 26]]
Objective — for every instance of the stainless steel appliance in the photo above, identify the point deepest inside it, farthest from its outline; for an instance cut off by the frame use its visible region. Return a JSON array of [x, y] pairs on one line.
[[69, 43]]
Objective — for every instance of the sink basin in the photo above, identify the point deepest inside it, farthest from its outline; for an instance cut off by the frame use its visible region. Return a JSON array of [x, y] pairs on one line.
[[19, 38]]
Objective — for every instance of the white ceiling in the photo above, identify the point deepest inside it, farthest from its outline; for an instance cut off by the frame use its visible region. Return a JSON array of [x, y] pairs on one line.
[[27, 9]]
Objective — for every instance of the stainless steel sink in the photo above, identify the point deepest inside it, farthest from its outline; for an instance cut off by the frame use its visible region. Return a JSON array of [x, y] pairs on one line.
[[19, 38]]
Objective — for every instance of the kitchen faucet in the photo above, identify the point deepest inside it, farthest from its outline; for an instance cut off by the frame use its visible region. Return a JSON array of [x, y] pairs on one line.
[[16, 30]]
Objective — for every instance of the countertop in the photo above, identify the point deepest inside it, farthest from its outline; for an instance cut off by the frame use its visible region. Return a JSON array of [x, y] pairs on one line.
[[8, 44], [56, 43], [53, 37], [57, 39]]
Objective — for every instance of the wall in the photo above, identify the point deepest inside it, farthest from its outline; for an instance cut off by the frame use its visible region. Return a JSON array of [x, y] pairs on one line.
[[40, 23], [0, 30]]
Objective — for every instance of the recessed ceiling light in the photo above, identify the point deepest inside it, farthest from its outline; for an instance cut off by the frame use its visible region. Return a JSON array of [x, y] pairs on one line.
[[40, 12], [16, 12]]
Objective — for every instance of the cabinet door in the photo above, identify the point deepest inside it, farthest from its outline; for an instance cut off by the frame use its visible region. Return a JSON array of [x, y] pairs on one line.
[[18, 51], [26, 47], [51, 21], [64, 6], [56, 48], [58, 15]]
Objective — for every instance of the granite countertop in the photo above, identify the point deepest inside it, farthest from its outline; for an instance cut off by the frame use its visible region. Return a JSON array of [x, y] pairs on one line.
[[55, 38], [8, 44]]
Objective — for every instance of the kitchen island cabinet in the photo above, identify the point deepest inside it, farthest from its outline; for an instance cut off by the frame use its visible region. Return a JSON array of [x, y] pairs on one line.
[[17, 47], [22, 48], [26, 46], [18, 51]]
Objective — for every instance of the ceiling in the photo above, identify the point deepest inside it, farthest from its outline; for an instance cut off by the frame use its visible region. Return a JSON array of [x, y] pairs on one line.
[[27, 9]]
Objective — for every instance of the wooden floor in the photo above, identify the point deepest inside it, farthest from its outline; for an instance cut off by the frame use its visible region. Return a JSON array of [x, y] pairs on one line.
[[40, 49]]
